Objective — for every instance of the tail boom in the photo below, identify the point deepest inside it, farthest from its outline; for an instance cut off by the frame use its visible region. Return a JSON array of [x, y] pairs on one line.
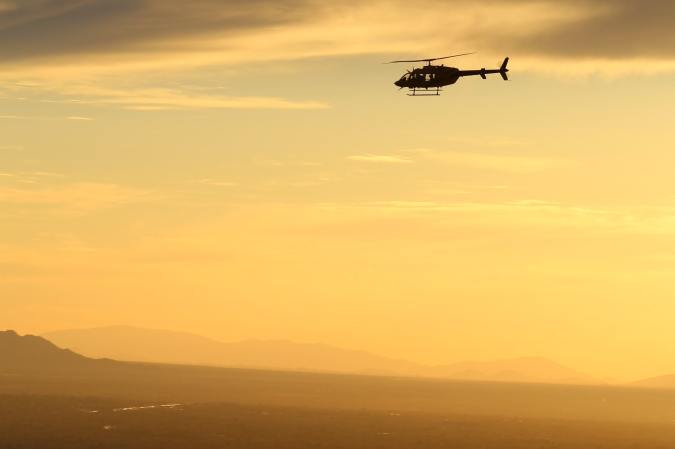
[[503, 70]]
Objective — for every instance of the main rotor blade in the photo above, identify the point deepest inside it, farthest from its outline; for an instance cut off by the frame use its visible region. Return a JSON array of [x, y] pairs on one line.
[[430, 59]]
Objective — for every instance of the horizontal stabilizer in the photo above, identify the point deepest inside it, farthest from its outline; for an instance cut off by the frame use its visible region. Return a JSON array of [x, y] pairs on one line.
[[504, 76]]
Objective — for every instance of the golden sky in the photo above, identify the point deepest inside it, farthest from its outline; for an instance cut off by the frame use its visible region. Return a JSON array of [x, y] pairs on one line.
[[248, 170]]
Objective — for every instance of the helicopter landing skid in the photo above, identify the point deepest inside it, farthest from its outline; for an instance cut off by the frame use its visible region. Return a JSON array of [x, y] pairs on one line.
[[425, 93]]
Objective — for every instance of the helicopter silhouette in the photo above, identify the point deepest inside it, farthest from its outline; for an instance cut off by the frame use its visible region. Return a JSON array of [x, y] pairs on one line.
[[437, 76]]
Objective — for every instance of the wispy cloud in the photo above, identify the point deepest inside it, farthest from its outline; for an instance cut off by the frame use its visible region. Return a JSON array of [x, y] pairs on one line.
[[78, 118], [38, 117], [166, 100], [491, 142], [74, 197], [504, 162], [216, 183], [28, 177], [7, 6], [520, 214], [286, 163], [154, 99], [76, 39], [380, 158]]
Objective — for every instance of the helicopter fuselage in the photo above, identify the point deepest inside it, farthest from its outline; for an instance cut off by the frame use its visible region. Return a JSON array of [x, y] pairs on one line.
[[436, 76], [429, 76]]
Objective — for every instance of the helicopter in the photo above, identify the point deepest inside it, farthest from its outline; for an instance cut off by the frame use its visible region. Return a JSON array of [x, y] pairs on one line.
[[437, 76]]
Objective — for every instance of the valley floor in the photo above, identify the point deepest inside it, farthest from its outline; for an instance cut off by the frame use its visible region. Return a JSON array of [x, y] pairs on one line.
[[42, 422], [143, 406]]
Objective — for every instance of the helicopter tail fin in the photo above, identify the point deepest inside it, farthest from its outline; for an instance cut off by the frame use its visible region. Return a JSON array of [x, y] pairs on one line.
[[503, 69]]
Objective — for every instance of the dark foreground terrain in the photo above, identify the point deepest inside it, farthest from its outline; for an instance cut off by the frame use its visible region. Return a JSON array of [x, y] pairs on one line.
[[134, 382], [153, 406], [32, 422]]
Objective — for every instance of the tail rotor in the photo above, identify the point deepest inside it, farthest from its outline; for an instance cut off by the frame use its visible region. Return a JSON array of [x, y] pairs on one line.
[[503, 70]]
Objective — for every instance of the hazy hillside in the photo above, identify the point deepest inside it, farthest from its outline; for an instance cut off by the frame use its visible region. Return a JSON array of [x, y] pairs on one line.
[[136, 344], [525, 369], [667, 381]]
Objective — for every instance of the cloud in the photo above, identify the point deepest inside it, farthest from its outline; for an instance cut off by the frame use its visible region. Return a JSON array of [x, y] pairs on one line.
[[286, 163], [74, 197], [516, 214], [485, 141], [216, 183], [154, 99], [7, 6], [379, 159], [619, 29], [165, 99], [77, 38], [510, 163], [81, 119], [27, 177], [53, 28], [35, 117]]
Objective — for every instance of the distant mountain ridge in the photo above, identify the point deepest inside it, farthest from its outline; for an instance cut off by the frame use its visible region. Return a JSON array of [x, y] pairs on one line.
[[523, 369], [667, 382], [32, 353], [91, 350], [148, 345], [160, 346]]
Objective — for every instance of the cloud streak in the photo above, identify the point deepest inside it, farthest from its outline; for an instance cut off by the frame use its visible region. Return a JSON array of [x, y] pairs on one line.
[[619, 29], [78, 197], [108, 35], [216, 183], [522, 214], [160, 99], [379, 159], [127, 26], [509, 163], [35, 117], [79, 118], [87, 49], [167, 99], [498, 162]]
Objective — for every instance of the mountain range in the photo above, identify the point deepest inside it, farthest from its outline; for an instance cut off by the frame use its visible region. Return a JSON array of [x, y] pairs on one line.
[[160, 346], [93, 349], [30, 353]]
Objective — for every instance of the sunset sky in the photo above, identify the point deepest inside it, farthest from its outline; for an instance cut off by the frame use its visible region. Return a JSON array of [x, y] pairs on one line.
[[248, 170]]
